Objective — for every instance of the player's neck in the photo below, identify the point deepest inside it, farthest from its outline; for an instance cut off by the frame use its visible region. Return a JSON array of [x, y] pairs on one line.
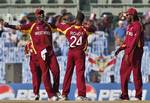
[[78, 24]]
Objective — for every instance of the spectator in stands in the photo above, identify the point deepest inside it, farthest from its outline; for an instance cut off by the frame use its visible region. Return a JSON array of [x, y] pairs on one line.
[[122, 17], [23, 38], [9, 34], [57, 49], [1, 26], [13, 38], [106, 26], [41, 39], [119, 33], [133, 46], [146, 23]]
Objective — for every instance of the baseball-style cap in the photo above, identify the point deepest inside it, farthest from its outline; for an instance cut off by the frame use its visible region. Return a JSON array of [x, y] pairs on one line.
[[132, 11], [39, 12]]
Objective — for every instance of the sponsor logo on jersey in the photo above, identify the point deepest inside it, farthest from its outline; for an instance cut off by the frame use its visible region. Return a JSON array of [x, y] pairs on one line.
[[129, 33], [42, 33]]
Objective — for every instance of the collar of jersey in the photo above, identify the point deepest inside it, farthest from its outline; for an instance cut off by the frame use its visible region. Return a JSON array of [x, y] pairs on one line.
[[77, 26]]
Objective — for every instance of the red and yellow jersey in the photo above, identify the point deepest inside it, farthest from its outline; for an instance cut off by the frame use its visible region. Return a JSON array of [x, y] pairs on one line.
[[76, 35], [40, 35]]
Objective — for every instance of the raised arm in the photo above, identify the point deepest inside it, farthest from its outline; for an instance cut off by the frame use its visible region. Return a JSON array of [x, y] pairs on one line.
[[18, 27], [89, 26]]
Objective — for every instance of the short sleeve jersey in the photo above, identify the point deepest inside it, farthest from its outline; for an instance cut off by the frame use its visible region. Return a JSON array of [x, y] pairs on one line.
[[40, 34], [76, 35]]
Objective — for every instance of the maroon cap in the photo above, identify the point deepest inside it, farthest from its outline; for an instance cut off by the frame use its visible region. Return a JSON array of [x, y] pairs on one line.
[[38, 12], [132, 11]]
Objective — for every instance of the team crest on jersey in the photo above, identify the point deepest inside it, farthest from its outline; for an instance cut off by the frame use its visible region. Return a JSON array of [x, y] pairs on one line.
[[37, 28]]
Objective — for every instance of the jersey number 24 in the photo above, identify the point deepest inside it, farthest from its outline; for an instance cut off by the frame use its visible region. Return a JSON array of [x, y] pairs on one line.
[[76, 41]]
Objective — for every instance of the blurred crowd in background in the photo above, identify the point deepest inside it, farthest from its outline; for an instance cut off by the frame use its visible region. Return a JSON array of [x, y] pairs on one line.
[[110, 33], [113, 26]]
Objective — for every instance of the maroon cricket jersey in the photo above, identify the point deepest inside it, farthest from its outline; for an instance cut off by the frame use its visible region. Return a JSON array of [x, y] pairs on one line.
[[76, 35], [40, 34], [134, 37]]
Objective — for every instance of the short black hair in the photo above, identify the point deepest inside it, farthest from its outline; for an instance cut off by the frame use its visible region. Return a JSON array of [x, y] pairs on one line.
[[80, 16]]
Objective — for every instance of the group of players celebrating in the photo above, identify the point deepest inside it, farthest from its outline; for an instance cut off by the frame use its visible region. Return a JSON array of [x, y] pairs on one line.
[[43, 58]]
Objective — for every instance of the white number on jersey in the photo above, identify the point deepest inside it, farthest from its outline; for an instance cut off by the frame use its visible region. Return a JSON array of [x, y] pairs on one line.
[[76, 41]]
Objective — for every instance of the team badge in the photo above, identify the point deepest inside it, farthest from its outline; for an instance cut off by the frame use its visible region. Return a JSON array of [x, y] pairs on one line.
[[37, 28]]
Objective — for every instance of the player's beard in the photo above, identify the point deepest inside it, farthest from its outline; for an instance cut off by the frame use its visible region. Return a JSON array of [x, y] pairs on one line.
[[41, 18], [129, 20]]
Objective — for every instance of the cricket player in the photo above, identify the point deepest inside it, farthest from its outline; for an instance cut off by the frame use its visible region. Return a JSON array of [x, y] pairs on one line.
[[133, 46], [41, 39], [77, 37]]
